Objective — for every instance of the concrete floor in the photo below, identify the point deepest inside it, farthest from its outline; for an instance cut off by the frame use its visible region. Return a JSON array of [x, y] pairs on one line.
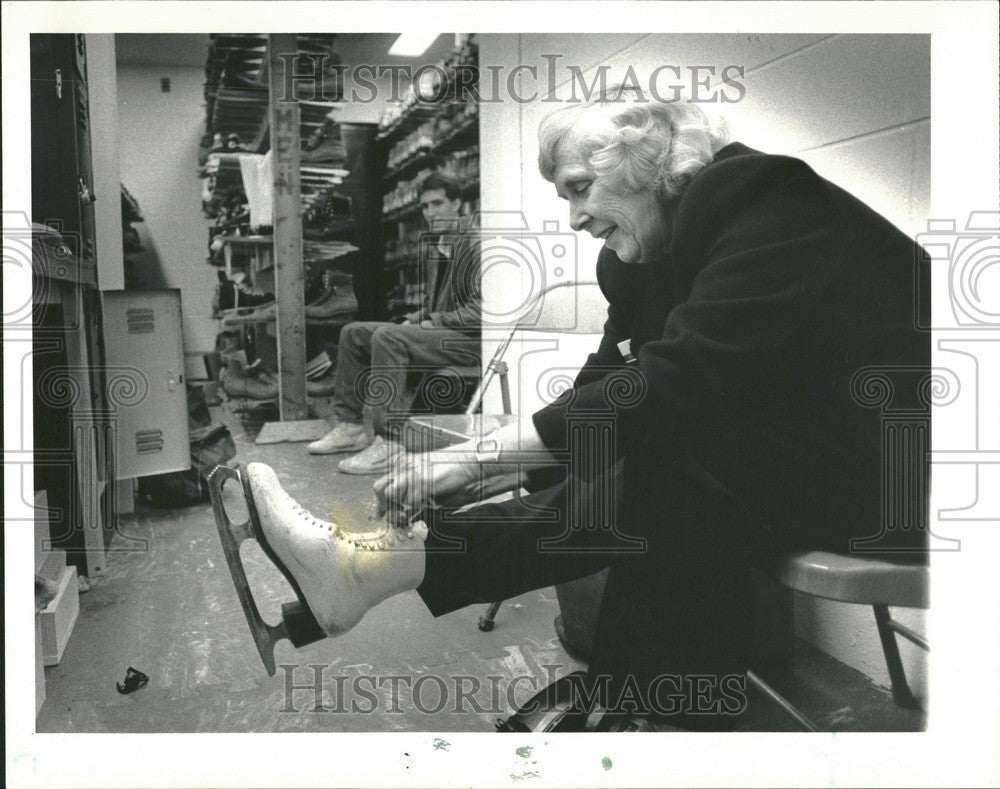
[[171, 611]]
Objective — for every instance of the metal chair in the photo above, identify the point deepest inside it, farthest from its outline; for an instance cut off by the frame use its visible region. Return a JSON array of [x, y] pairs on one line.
[[846, 578], [556, 309], [904, 396], [566, 307], [855, 578]]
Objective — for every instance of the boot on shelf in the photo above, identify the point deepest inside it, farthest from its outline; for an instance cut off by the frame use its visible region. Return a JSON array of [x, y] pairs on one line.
[[318, 366], [320, 387], [339, 302], [261, 385], [232, 295], [233, 376], [321, 291], [238, 317]]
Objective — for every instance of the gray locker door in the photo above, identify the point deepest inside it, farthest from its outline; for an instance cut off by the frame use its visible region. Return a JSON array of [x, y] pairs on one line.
[[142, 336]]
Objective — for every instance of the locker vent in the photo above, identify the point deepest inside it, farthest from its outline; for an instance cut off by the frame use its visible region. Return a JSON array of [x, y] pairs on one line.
[[140, 320], [148, 441]]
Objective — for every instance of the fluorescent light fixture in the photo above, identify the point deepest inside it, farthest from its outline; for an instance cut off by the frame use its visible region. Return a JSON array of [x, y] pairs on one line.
[[409, 45]]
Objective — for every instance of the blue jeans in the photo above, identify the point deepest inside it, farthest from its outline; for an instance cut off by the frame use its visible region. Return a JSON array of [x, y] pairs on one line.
[[374, 358]]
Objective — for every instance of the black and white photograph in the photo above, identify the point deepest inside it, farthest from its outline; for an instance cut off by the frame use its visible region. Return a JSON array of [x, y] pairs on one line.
[[597, 369]]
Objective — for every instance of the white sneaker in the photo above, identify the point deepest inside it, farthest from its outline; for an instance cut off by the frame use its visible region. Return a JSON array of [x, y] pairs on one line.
[[345, 437], [374, 460]]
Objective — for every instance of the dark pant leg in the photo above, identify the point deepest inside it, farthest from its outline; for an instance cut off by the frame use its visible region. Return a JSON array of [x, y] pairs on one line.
[[398, 349], [673, 636], [675, 627], [354, 356], [497, 551]]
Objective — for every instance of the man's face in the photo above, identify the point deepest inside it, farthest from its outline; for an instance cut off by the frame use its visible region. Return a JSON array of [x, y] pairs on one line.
[[440, 213], [632, 224]]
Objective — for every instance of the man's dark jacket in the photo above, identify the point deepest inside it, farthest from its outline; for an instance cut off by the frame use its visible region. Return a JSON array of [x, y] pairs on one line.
[[455, 299]]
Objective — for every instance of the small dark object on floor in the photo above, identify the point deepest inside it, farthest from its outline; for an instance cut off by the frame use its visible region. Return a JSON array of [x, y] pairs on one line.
[[487, 620], [134, 679]]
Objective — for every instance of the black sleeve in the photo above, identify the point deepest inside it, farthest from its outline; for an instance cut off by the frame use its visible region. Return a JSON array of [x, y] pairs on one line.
[[756, 239], [465, 285]]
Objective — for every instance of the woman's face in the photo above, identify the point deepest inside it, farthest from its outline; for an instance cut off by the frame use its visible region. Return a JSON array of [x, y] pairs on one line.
[[634, 225]]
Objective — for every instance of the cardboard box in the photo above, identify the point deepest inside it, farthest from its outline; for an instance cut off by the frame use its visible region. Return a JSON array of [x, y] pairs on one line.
[[53, 566], [58, 618]]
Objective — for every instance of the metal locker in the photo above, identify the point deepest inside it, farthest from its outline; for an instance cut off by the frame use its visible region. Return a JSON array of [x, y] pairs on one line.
[[142, 335]]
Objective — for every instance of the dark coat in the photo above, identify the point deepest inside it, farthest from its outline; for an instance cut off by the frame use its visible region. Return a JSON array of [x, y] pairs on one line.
[[454, 298], [778, 288], [737, 427], [740, 431]]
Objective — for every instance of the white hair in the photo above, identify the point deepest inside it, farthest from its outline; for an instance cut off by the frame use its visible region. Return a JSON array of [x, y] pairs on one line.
[[633, 144]]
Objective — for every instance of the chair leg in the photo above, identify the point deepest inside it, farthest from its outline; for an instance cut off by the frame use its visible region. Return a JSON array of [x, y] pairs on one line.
[[786, 706], [504, 388], [487, 620], [897, 676]]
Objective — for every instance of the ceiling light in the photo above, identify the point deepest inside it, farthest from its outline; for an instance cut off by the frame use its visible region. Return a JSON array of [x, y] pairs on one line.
[[412, 44]]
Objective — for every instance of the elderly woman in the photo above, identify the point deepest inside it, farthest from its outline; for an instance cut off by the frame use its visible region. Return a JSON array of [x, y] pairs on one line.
[[745, 293]]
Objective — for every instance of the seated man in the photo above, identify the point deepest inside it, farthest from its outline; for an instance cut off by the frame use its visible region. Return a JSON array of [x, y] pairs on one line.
[[373, 357]]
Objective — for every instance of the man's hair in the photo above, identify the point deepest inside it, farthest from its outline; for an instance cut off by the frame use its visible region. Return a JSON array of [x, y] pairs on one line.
[[434, 181], [634, 144]]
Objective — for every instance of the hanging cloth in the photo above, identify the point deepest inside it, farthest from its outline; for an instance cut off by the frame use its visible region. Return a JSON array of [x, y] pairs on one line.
[[258, 177]]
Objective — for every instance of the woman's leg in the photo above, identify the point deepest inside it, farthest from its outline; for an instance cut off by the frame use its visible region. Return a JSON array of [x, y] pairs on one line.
[[497, 551]]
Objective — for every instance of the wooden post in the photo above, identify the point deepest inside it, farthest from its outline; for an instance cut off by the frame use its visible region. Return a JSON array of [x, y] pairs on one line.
[[289, 269]]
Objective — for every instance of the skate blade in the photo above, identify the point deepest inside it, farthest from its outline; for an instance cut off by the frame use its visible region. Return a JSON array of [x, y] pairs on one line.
[[298, 624]]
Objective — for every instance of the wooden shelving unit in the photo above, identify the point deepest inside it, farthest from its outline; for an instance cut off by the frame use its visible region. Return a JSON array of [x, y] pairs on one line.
[[325, 202]]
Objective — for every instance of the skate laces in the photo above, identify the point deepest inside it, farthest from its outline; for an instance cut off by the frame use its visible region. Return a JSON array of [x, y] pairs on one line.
[[366, 541]]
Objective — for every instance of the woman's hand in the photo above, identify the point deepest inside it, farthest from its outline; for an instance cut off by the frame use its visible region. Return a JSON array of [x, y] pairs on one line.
[[417, 479]]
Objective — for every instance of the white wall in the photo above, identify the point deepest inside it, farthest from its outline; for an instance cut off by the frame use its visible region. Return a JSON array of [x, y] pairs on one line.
[[856, 108], [158, 140]]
